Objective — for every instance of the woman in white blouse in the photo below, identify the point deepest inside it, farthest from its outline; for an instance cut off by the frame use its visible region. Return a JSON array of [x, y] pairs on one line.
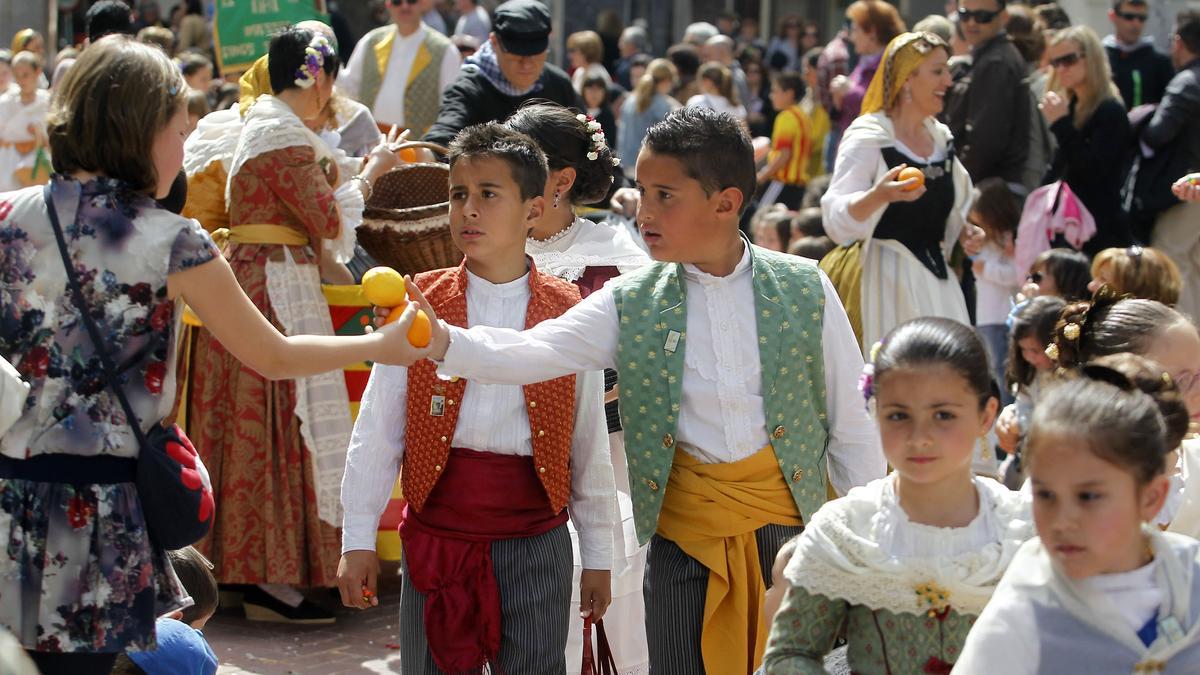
[[907, 229]]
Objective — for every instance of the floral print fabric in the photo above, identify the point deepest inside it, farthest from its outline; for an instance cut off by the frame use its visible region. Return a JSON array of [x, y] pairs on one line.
[[123, 248], [77, 570]]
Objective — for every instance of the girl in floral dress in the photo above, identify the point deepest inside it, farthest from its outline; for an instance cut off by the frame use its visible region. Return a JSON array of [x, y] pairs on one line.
[[908, 560], [80, 580]]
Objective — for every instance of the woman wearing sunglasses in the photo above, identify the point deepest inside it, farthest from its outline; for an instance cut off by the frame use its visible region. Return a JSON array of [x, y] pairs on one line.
[[1086, 116]]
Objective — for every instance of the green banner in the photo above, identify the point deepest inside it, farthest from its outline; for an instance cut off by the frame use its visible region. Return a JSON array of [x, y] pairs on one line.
[[242, 29]]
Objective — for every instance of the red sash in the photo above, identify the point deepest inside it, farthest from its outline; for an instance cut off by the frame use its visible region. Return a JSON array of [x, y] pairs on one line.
[[481, 497]]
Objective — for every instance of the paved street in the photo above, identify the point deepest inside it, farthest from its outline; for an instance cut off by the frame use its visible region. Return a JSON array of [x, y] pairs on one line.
[[360, 642]]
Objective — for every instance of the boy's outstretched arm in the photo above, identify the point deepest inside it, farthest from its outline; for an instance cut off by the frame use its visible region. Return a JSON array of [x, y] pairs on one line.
[[584, 338]]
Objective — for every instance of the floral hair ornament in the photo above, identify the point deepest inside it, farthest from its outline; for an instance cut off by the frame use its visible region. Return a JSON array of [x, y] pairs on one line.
[[596, 133], [866, 381], [315, 54]]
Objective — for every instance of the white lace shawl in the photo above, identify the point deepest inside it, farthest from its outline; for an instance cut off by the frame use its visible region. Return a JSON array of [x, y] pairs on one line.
[[845, 553], [588, 244], [214, 139], [271, 125]]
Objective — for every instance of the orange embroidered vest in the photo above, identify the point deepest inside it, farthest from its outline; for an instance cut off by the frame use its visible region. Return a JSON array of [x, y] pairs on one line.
[[550, 404]]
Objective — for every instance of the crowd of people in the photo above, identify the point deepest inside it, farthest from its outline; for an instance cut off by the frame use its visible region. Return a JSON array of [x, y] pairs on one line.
[[877, 351]]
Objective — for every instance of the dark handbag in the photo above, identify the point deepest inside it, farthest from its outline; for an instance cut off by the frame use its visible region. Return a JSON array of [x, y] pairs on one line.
[[600, 661], [172, 483]]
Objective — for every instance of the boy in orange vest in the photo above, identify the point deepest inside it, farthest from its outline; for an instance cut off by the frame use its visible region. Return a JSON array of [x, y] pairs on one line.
[[489, 471]]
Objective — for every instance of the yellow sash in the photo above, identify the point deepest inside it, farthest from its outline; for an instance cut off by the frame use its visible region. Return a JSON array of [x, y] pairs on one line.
[[259, 234], [711, 511]]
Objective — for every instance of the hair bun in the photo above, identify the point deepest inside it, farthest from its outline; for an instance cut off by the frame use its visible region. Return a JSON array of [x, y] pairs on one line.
[[1102, 373]]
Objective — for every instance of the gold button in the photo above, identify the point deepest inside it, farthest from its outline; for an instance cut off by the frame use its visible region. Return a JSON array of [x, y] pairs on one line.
[[652, 485], [451, 401], [541, 432], [443, 439], [798, 475], [668, 441], [541, 469], [437, 467], [779, 432], [454, 379], [533, 404]]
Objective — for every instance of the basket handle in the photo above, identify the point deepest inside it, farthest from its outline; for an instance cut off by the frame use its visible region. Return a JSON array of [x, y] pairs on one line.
[[421, 144]]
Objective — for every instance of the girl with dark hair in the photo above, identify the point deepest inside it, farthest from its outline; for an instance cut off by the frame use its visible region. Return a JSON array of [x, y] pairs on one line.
[[1062, 272], [1027, 369], [913, 557], [275, 450], [1100, 589], [1107, 325], [997, 211], [588, 254]]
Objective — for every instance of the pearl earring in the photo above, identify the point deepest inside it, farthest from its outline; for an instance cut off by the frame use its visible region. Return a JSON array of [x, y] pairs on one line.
[[556, 200]]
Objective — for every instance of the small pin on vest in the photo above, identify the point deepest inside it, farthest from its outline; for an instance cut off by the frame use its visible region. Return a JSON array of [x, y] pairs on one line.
[[437, 406], [672, 342]]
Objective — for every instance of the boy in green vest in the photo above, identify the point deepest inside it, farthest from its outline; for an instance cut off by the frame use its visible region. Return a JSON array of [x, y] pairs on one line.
[[738, 372]]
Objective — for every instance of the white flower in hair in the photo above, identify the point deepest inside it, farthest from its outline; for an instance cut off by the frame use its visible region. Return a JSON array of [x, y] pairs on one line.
[[582, 118], [616, 161], [593, 156], [594, 126]]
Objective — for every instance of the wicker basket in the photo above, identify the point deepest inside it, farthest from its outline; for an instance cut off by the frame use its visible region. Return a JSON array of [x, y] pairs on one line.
[[406, 223]]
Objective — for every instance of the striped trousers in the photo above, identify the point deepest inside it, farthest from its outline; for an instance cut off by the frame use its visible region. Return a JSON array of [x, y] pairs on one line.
[[675, 586], [534, 576]]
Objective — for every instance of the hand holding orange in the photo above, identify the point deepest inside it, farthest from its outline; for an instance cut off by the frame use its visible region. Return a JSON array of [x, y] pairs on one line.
[[910, 172], [384, 287]]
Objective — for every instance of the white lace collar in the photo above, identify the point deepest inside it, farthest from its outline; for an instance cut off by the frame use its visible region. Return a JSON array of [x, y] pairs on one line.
[[271, 125], [844, 553], [587, 244]]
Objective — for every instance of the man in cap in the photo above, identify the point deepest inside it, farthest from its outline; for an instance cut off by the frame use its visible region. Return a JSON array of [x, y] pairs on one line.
[[509, 69], [400, 70]]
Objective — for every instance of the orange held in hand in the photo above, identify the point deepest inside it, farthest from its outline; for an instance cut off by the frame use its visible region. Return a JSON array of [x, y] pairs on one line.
[[384, 287], [911, 172]]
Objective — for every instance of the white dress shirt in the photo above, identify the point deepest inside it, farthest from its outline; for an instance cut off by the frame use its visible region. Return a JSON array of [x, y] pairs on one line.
[[388, 106], [721, 416], [492, 418]]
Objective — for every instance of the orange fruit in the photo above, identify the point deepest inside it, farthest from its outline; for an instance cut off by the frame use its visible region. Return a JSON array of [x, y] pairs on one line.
[[421, 331], [911, 172], [408, 155], [384, 287]]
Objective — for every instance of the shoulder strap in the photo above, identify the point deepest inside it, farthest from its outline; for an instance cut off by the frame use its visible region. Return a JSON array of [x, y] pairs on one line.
[[110, 371]]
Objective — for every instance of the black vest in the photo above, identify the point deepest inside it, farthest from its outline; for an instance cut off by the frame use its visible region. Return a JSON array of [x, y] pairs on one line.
[[921, 225]]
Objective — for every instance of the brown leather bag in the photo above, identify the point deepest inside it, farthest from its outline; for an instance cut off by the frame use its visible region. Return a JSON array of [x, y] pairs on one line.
[[600, 661]]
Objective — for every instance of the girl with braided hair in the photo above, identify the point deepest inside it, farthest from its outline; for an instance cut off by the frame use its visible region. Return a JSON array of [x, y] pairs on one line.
[[1110, 325], [1099, 589]]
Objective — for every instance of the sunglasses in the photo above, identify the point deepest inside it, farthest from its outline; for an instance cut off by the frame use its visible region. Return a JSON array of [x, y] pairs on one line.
[[1066, 60], [1131, 16], [978, 15]]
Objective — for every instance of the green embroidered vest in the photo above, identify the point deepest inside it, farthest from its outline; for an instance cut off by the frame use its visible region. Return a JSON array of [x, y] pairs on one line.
[[422, 94], [789, 302]]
